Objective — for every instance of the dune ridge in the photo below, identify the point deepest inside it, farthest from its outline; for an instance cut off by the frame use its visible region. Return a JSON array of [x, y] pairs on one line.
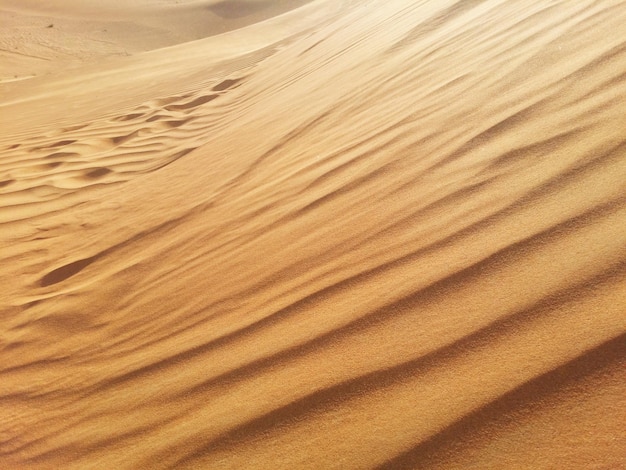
[[39, 37], [379, 234]]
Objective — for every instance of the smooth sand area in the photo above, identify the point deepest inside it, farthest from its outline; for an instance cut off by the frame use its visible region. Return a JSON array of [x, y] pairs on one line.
[[254, 234]]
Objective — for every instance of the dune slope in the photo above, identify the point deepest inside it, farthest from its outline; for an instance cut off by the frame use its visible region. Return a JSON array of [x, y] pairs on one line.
[[362, 234], [39, 37]]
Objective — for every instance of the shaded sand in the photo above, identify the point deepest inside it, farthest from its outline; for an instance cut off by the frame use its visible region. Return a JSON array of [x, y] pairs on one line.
[[360, 234]]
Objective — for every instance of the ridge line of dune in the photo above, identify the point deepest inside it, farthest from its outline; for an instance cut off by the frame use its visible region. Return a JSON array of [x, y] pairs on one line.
[[611, 352], [359, 235]]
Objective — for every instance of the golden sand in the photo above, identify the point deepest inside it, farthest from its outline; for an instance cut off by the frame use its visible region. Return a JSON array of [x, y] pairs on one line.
[[312, 235]]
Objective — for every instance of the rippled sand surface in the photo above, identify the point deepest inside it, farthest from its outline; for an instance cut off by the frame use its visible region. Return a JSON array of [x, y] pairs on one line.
[[341, 235]]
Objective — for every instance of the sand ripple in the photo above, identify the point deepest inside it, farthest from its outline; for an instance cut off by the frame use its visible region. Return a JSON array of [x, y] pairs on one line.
[[392, 238]]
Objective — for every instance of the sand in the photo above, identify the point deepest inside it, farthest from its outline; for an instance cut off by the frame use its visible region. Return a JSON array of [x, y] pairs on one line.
[[312, 235]]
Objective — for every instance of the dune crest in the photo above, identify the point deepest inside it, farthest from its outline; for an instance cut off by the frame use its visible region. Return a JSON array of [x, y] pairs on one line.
[[39, 37], [382, 234]]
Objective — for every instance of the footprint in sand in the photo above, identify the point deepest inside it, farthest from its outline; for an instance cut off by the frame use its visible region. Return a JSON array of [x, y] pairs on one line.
[[191, 104], [96, 173], [226, 84], [63, 155], [128, 117], [64, 272]]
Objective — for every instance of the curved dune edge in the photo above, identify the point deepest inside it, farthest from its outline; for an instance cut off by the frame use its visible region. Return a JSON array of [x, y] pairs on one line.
[[39, 37], [381, 234]]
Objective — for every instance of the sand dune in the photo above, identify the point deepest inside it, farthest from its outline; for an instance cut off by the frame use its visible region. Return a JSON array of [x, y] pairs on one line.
[[358, 234], [38, 37]]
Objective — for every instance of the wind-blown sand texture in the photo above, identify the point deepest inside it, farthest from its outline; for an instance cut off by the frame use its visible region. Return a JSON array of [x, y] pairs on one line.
[[342, 235]]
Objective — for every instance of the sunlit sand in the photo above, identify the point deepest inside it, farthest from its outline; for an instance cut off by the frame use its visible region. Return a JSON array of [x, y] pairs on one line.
[[316, 234]]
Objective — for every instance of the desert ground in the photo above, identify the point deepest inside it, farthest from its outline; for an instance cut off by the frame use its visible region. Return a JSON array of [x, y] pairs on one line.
[[324, 234]]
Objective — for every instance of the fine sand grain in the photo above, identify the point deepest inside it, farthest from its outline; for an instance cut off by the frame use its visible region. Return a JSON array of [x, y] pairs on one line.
[[253, 234]]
